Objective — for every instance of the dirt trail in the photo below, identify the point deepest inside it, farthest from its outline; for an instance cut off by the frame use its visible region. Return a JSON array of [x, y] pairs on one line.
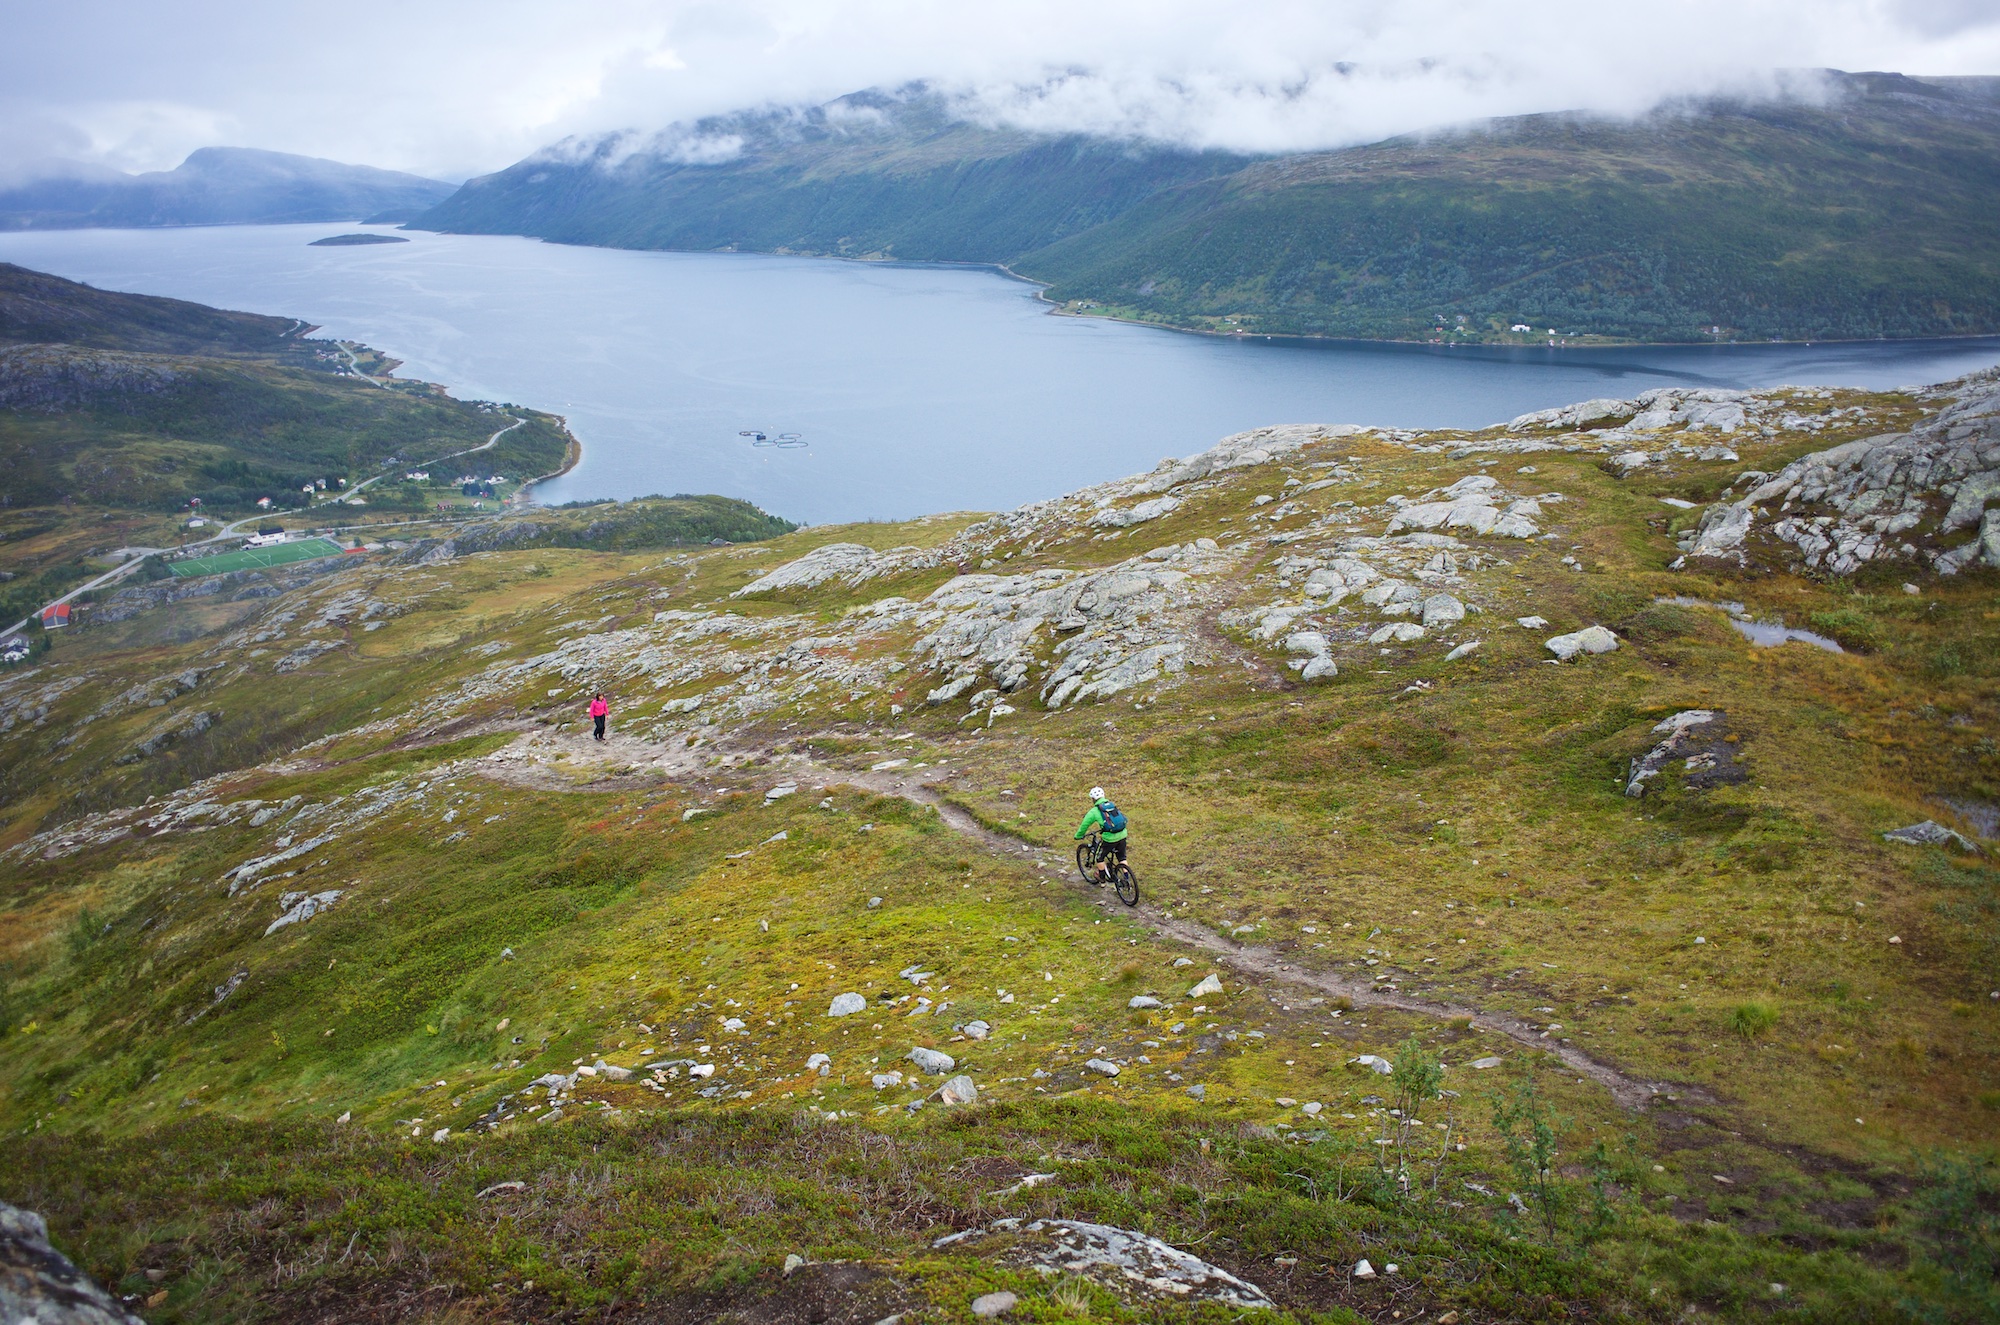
[[624, 762], [1629, 1092]]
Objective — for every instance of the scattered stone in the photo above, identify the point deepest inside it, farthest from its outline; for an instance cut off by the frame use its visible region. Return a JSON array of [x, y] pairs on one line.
[[1143, 1001], [820, 1063], [874, 902], [612, 1072], [1198, 1092], [1442, 609], [1209, 984], [499, 1188], [932, 1061], [958, 1090], [1312, 1109], [1931, 833], [994, 1304], [884, 1080], [1402, 632], [1464, 650], [1481, 1064], [1102, 1066], [1532, 622], [887, 764], [1363, 1270], [1376, 1063], [977, 1030], [1591, 639], [846, 1005]]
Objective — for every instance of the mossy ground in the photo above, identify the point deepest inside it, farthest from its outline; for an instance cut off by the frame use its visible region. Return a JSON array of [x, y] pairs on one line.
[[1462, 825]]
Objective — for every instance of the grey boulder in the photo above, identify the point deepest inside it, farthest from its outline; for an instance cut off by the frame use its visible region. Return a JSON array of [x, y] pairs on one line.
[[39, 1283], [1591, 639], [1930, 833]]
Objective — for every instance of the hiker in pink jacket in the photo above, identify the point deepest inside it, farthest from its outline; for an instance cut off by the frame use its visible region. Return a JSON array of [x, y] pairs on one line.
[[600, 709]]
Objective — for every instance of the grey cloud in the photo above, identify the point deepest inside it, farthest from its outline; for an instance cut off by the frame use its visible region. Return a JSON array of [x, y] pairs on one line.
[[454, 87]]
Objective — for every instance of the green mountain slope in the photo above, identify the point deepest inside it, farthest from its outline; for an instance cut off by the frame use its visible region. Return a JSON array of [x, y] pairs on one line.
[[1868, 215], [870, 175], [344, 975], [133, 401], [40, 309]]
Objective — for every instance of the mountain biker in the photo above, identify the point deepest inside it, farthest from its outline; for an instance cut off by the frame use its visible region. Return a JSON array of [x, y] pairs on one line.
[[1107, 821]]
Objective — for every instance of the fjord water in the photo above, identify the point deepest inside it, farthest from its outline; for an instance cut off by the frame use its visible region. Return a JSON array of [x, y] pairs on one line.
[[914, 389]]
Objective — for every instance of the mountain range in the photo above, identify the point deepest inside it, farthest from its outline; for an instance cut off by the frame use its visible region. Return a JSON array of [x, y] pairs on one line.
[[215, 186], [1866, 212]]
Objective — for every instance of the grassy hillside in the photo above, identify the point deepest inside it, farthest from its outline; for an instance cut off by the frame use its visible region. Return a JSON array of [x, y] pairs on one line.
[[128, 400], [1717, 1052], [118, 410], [39, 309], [1865, 216]]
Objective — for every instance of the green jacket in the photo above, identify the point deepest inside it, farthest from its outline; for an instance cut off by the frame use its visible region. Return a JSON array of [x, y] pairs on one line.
[[1095, 819]]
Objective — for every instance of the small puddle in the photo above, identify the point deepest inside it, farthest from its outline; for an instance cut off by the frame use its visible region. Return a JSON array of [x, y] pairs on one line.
[[1763, 634]]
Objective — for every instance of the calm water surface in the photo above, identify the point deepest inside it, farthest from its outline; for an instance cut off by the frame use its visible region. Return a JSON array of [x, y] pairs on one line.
[[915, 389]]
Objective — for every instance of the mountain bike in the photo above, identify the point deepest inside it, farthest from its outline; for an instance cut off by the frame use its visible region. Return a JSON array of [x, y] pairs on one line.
[[1090, 853]]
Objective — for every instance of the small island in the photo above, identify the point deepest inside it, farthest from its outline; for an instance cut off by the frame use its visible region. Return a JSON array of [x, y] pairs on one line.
[[343, 241]]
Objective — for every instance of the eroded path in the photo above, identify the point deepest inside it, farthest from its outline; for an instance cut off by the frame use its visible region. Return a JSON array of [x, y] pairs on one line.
[[621, 763]]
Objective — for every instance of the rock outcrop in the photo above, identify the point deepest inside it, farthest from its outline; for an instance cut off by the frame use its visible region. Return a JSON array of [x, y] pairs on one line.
[[1920, 496], [40, 1284]]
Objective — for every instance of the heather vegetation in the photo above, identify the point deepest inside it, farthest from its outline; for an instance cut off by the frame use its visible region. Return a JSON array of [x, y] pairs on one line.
[[344, 976]]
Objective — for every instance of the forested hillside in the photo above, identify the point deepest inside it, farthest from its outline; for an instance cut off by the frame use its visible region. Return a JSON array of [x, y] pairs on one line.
[[871, 175], [1866, 214]]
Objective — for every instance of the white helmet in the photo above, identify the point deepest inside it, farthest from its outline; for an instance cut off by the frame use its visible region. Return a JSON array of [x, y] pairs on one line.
[[1097, 793]]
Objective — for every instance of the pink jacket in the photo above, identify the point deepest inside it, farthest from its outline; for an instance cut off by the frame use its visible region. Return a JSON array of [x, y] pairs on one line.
[[598, 708]]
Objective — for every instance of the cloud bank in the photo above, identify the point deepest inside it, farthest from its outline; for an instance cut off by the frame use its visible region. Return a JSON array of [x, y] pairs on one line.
[[457, 87]]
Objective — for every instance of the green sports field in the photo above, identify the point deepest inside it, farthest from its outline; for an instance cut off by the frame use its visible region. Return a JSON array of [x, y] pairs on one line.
[[255, 558]]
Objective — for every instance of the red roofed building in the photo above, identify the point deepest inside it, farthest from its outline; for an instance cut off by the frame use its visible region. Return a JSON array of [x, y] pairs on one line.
[[57, 615]]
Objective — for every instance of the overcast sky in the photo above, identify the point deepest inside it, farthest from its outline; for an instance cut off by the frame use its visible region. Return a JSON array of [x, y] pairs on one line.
[[459, 87]]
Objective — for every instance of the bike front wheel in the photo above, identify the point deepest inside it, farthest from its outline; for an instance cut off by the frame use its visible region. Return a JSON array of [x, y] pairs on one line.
[[1086, 862], [1128, 886]]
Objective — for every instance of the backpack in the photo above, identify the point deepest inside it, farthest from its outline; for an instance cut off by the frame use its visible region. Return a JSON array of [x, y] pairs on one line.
[[1114, 818]]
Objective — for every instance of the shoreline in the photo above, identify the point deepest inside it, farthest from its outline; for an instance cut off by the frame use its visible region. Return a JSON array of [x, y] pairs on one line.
[[523, 498], [1307, 337]]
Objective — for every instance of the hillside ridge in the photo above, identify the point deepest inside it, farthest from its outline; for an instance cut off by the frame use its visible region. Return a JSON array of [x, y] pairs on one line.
[[1857, 217], [1474, 802]]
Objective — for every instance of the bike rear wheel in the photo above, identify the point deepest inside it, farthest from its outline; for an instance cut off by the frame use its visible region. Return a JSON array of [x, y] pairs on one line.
[[1086, 862], [1128, 885]]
